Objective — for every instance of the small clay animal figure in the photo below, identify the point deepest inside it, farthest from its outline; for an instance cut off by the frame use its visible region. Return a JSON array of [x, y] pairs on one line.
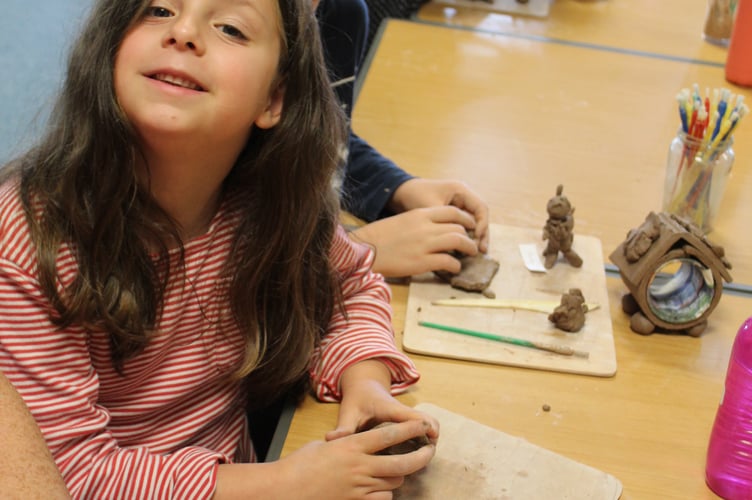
[[640, 240], [570, 314], [559, 231]]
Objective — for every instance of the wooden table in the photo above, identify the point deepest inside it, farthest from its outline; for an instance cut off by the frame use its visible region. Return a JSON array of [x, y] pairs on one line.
[[513, 117], [648, 426], [669, 27]]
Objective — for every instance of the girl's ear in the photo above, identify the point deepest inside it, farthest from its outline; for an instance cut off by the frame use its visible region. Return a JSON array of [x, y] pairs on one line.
[[273, 111]]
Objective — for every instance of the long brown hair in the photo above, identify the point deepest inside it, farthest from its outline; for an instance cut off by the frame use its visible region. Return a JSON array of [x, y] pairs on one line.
[[83, 174]]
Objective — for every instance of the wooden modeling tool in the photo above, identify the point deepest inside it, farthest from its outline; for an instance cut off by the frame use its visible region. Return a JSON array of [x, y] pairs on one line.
[[543, 306]]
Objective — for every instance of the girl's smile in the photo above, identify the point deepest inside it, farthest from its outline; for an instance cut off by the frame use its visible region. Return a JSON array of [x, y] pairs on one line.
[[177, 79]]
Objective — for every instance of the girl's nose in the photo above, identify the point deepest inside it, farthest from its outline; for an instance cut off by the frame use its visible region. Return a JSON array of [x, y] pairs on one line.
[[185, 34]]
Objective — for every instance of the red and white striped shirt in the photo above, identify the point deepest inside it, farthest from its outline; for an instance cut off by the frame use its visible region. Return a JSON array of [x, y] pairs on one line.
[[159, 430]]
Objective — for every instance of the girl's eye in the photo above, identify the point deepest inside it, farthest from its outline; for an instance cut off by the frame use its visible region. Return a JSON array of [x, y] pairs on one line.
[[232, 31], [158, 12]]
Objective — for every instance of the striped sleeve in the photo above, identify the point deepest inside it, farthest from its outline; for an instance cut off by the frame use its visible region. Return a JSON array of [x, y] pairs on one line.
[[365, 332], [52, 371]]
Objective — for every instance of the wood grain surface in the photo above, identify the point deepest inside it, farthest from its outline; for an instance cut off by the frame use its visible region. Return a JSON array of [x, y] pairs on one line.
[[515, 115], [474, 461], [515, 281]]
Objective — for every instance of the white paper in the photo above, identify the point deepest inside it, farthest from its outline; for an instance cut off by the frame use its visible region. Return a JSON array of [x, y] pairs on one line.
[[529, 252]]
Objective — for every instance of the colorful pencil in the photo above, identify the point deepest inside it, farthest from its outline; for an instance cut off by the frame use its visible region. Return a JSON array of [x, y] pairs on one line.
[[708, 125]]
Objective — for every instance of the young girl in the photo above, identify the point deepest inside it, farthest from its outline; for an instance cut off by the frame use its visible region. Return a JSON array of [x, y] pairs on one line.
[[170, 252]]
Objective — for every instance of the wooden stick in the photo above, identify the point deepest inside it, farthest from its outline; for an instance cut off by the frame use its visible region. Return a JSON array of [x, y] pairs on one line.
[[544, 306]]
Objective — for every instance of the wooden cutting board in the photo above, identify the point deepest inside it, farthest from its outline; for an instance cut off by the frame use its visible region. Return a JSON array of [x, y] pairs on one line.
[[515, 281], [478, 462]]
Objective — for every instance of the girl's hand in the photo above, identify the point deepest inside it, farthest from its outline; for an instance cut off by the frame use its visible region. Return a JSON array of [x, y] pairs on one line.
[[423, 193], [348, 468], [346, 464], [433, 218], [343, 469], [419, 241], [367, 401]]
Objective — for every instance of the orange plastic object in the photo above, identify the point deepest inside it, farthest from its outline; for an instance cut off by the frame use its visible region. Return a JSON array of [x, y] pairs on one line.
[[739, 59]]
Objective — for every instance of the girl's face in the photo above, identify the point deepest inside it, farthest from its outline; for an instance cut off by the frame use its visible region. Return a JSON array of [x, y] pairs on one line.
[[201, 70]]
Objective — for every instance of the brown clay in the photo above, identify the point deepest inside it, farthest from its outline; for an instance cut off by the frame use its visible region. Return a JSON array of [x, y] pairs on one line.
[[640, 324], [404, 447], [476, 275], [629, 304], [570, 314], [558, 231], [697, 330], [639, 240], [660, 239]]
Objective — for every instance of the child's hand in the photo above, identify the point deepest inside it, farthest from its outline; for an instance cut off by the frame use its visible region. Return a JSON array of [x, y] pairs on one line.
[[433, 217], [349, 467], [347, 464], [424, 193], [366, 401], [419, 241]]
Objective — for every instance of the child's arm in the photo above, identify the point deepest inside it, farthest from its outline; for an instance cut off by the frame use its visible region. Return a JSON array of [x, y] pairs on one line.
[[27, 469], [419, 241], [346, 468], [424, 193], [53, 372], [370, 181], [358, 361], [366, 400], [363, 331], [432, 219]]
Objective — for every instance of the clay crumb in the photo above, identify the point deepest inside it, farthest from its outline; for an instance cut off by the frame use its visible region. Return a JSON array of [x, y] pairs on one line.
[[489, 294], [546, 407]]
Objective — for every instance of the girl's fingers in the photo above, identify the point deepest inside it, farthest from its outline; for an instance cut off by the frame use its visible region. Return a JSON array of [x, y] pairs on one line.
[[451, 214], [383, 437]]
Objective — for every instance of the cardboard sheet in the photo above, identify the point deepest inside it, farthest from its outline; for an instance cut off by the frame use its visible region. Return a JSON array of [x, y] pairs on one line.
[[482, 463], [515, 281]]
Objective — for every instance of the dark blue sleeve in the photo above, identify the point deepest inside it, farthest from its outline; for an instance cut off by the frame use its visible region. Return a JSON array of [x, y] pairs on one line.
[[370, 180]]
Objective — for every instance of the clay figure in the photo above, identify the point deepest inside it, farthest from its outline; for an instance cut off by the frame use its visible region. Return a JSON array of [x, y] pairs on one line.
[[570, 314], [559, 231], [639, 240], [664, 245]]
